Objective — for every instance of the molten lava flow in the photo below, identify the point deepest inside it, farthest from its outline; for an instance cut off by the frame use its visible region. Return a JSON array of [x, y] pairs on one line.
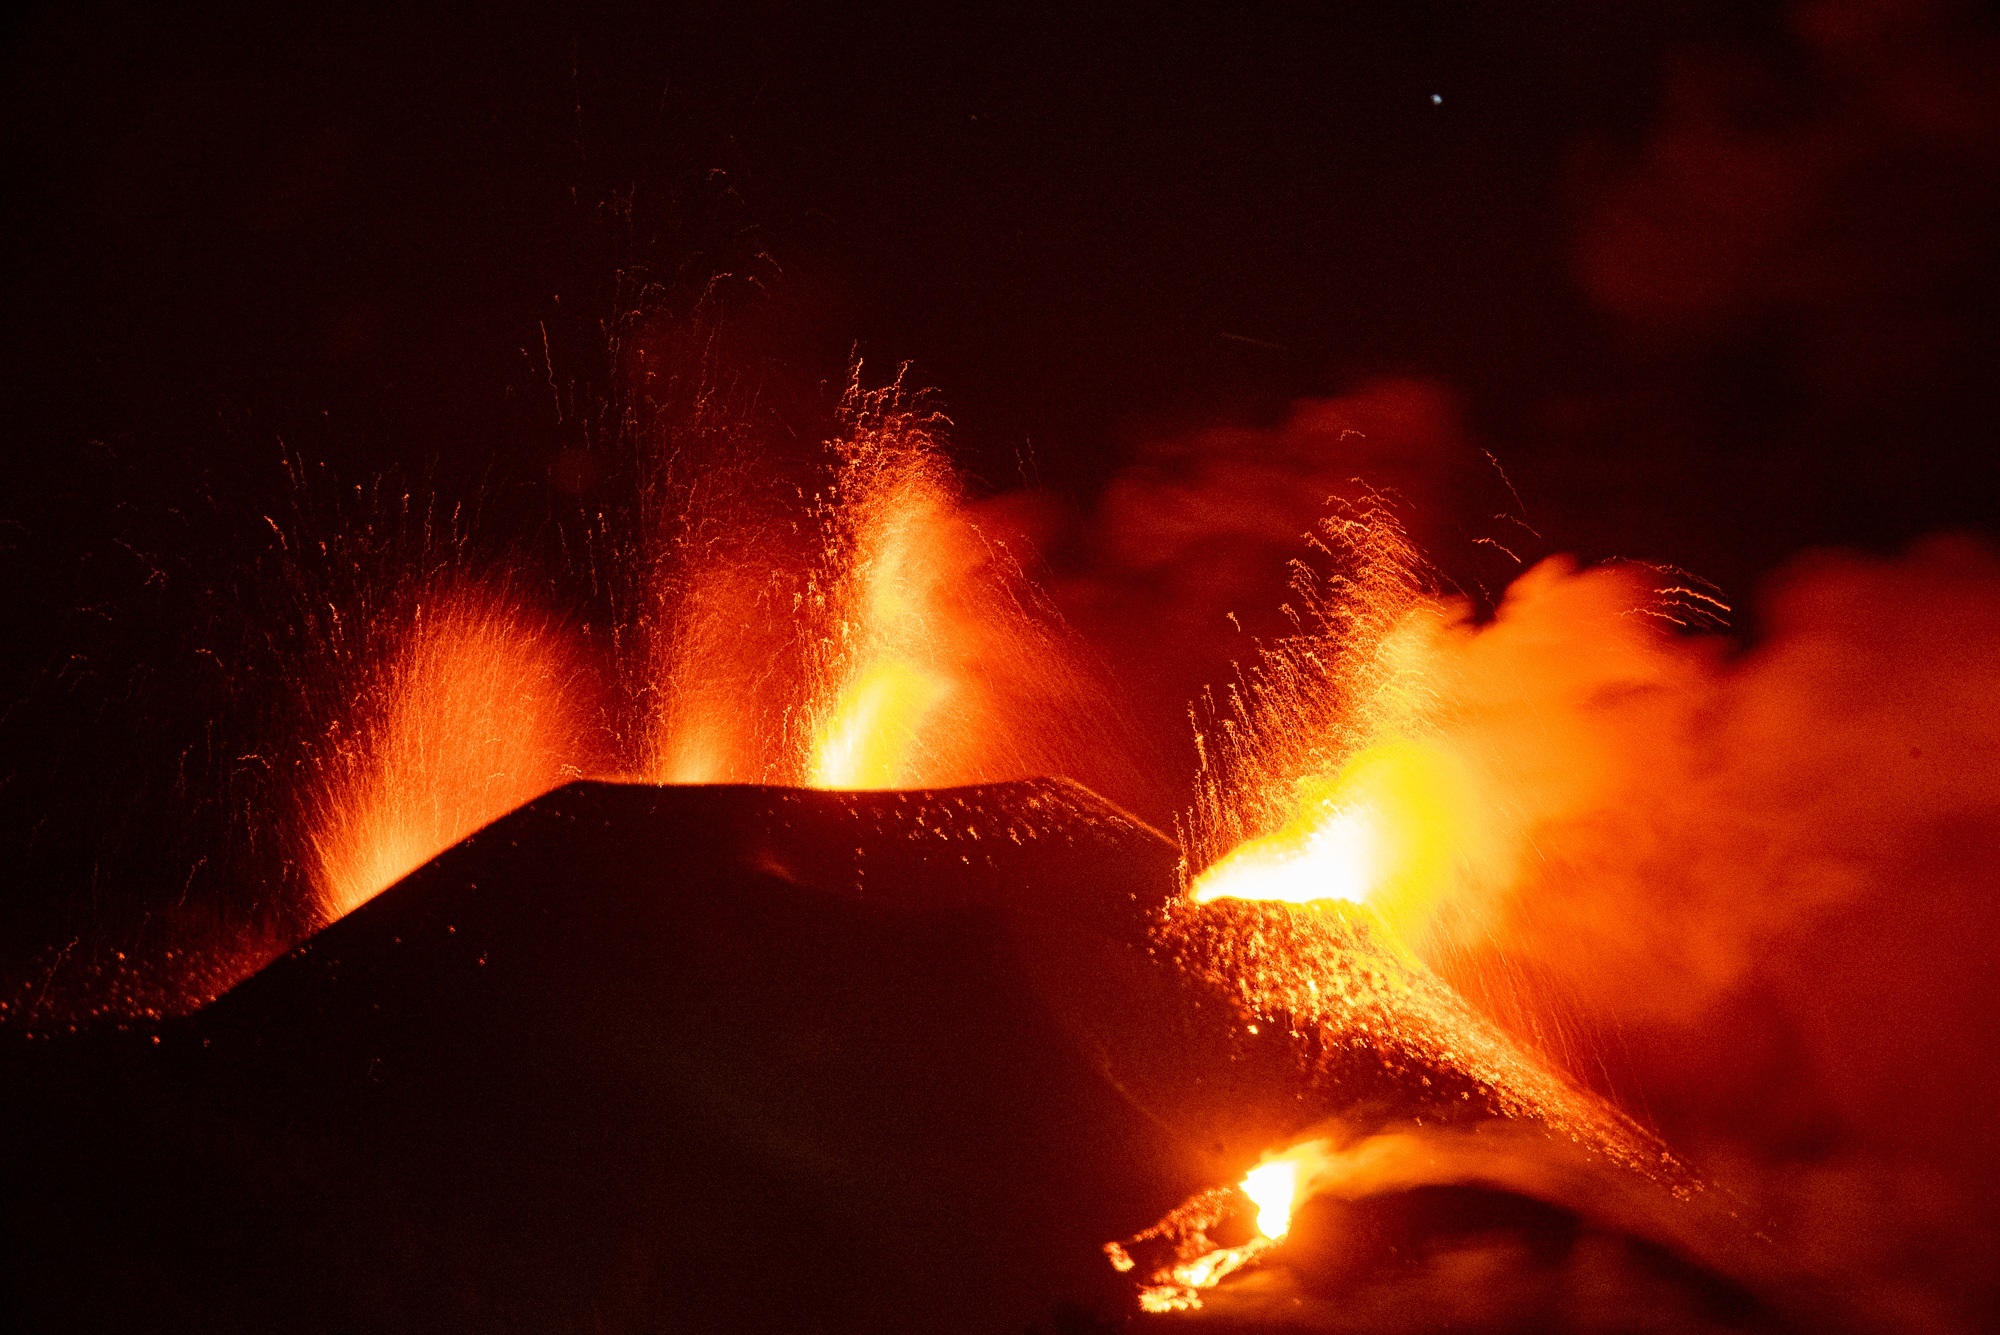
[[470, 714], [1191, 1250], [1180, 1252]]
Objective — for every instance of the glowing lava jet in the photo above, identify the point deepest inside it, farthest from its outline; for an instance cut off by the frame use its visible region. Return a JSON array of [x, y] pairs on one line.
[[934, 662], [1379, 833], [473, 711], [887, 671]]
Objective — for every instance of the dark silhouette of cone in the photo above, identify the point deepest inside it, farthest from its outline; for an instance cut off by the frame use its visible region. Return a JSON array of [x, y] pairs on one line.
[[638, 1058]]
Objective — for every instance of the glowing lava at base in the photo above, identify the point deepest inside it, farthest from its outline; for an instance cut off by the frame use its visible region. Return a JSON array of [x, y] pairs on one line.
[[1190, 1252]]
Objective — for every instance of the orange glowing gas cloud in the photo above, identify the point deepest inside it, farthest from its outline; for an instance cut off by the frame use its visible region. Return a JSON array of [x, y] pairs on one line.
[[1329, 780], [471, 713], [1384, 831]]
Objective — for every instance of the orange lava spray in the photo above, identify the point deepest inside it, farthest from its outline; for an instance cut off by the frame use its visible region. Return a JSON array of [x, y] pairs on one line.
[[471, 712], [935, 661], [896, 545]]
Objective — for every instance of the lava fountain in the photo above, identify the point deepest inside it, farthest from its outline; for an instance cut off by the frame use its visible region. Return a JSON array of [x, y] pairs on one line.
[[882, 639], [890, 693], [1345, 840], [473, 710], [936, 661]]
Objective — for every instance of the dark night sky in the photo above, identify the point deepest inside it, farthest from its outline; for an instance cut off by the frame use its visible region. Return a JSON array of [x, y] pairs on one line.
[[341, 228], [1715, 282]]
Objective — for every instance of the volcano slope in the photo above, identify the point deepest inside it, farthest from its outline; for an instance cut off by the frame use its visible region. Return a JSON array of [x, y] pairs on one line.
[[741, 1059]]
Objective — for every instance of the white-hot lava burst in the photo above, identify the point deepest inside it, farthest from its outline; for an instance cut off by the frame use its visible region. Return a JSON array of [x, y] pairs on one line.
[[895, 535], [1273, 1188]]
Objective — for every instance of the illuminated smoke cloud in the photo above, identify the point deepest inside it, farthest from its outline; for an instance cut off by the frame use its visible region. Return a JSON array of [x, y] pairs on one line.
[[1842, 196], [1768, 880], [1752, 891], [1192, 542]]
